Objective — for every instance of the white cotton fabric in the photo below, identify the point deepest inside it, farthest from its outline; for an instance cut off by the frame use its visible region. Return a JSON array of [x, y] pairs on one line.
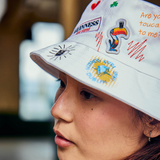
[[115, 48]]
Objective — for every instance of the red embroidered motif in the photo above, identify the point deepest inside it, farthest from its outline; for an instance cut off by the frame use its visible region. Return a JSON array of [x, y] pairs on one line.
[[99, 37], [94, 5], [137, 49]]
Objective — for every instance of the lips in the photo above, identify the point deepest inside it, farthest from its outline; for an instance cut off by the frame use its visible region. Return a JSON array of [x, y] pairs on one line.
[[61, 141]]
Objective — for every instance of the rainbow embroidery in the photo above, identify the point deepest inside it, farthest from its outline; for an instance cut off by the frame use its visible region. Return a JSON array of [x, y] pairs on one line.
[[114, 36]]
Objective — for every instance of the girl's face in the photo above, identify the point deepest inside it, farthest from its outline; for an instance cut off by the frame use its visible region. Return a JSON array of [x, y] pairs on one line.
[[91, 125]]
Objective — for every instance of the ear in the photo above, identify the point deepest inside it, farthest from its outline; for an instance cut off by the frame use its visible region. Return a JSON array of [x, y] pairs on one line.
[[153, 126]]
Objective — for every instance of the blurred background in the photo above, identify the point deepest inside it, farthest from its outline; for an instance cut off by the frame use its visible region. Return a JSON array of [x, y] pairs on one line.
[[27, 92]]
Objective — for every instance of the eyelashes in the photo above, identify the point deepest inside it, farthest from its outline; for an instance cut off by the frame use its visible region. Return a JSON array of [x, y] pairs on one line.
[[87, 95], [62, 84]]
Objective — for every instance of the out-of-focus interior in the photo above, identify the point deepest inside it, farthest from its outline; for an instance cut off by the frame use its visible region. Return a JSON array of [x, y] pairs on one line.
[[27, 92]]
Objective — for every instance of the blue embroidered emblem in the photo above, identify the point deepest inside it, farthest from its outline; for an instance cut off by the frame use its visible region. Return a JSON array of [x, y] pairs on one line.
[[102, 71]]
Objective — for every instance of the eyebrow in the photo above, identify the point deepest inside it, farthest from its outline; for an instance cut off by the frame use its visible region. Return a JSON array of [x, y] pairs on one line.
[[87, 89], [62, 73]]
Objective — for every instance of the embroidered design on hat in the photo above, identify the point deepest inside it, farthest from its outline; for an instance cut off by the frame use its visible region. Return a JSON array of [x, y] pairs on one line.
[[102, 71], [135, 50], [115, 34], [94, 5], [88, 26], [99, 38], [114, 4], [60, 51]]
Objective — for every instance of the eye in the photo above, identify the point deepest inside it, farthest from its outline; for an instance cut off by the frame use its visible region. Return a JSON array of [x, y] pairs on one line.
[[87, 95], [62, 84]]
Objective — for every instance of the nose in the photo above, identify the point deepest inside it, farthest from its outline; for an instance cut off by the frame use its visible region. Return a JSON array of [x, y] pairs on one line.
[[63, 109]]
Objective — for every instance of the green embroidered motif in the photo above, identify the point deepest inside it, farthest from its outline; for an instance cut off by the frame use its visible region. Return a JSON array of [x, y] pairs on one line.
[[115, 3]]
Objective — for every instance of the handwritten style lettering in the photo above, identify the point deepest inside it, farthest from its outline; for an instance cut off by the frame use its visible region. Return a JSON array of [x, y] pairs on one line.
[[156, 16], [144, 24], [146, 15], [149, 15], [152, 34], [150, 25]]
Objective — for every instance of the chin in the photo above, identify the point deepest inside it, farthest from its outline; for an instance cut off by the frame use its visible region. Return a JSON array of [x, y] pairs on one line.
[[65, 153], [69, 153]]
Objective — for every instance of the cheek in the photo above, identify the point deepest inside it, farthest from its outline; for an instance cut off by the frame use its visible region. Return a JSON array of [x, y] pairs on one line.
[[104, 118], [94, 121]]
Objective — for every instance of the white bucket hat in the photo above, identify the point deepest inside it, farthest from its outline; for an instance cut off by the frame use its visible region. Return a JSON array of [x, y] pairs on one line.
[[115, 48]]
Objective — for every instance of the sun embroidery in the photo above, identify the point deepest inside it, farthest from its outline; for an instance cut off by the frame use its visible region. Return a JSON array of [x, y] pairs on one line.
[[60, 51]]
